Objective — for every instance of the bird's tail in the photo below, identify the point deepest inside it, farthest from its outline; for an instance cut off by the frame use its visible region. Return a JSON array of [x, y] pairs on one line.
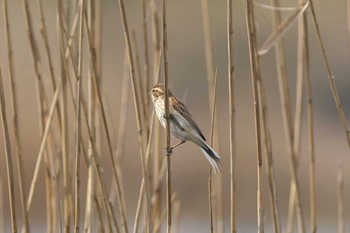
[[213, 158]]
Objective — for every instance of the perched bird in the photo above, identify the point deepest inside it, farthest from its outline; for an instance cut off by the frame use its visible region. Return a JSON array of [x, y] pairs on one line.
[[182, 125]]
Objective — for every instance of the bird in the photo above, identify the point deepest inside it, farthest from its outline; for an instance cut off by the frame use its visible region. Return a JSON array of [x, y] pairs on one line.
[[182, 124]]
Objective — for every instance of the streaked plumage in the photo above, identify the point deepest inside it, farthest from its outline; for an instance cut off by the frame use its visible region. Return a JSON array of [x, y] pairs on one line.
[[182, 125]]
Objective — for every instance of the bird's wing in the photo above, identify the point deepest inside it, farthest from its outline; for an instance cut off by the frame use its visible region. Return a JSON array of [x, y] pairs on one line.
[[183, 110]]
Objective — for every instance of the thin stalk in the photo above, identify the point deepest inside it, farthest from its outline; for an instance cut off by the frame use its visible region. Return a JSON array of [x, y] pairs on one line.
[[287, 117], [167, 116], [232, 117], [105, 126], [41, 148], [94, 153], [14, 102], [78, 123], [255, 76], [146, 73], [157, 148], [331, 77], [64, 121], [210, 184], [298, 112], [310, 120], [210, 79], [270, 170], [8, 155]]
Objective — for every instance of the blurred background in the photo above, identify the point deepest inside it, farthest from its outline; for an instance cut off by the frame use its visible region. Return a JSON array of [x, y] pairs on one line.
[[188, 77]]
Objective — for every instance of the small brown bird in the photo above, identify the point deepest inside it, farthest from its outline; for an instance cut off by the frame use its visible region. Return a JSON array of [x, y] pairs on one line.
[[182, 124]]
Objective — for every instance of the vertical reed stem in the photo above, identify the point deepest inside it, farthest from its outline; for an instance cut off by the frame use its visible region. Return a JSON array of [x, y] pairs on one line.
[[232, 117], [167, 116], [8, 155]]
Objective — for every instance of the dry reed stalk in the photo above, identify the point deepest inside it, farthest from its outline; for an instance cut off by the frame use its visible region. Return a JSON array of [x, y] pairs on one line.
[[283, 27], [270, 170], [136, 104], [340, 198], [298, 111], [146, 73], [42, 148], [124, 105], [331, 77], [167, 117], [94, 152], [286, 112], [232, 117], [8, 156], [311, 140], [210, 79], [255, 76], [44, 36], [157, 148], [67, 210], [78, 123], [41, 101], [91, 114], [140, 87], [142, 187], [14, 102], [120, 195], [210, 184]]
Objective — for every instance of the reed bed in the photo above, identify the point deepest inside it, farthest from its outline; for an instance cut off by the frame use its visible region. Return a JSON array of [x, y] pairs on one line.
[[80, 160]]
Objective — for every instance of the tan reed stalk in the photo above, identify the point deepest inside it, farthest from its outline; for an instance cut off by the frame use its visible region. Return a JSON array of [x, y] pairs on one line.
[[283, 27], [120, 195], [136, 100], [210, 184], [311, 140], [44, 36], [331, 77], [94, 153], [157, 148], [287, 116], [270, 170], [140, 86], [78, 123], [147, 158], [340, 198], [210, 77], [146, 73], [255, 76], [167, 117], [13, 96], [41, 100], [232, 117], [91, 114], [42, 148], [8, 156], [124, 105], [64, 124], [209, 59], [298, 113]]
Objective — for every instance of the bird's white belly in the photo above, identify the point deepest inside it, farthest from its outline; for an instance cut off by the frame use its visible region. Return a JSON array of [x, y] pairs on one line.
[[182, 133]]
